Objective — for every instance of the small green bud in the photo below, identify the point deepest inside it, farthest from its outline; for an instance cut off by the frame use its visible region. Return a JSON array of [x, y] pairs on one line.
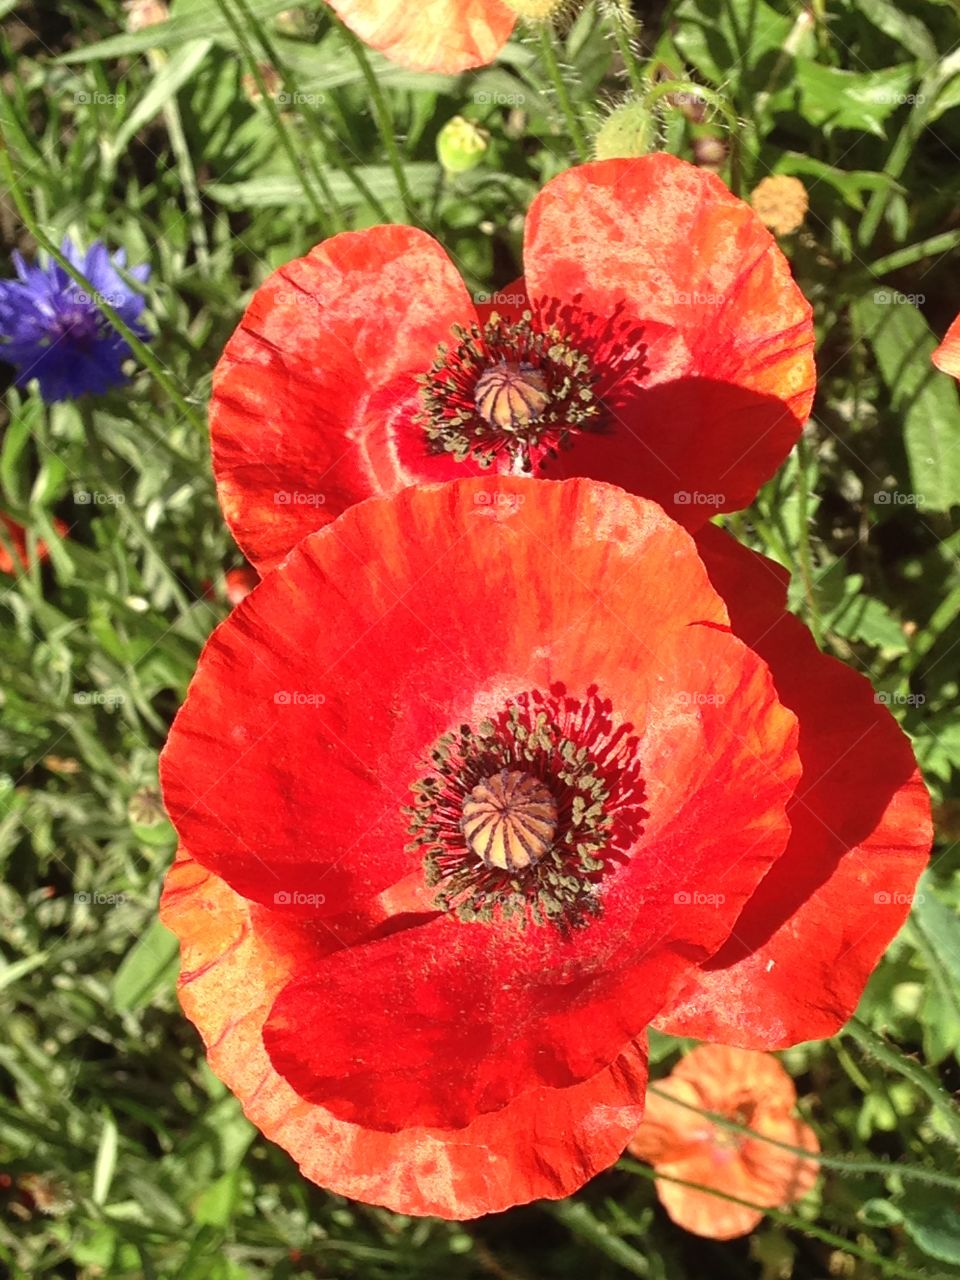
[[627, 132], [461, 145]]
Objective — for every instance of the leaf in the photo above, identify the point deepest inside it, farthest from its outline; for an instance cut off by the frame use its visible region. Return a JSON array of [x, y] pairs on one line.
[[196, 21], [283, 189], [908, 31], [849, 182], [720, 37], [163, 87], [106, 1161], [925, 400], [931, 1218], [831, 98], [149, 966]]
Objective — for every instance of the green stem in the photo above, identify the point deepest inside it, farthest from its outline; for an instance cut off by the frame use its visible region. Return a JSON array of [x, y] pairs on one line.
[[931, 248], [290, 88], [624, 29], [576, 1217], [876, 1047], [385, 124], [137, 346], [188, 177], [280, 125], [885, 1265], [843, 1164], [665, 88], [803, 547], [549, 54]]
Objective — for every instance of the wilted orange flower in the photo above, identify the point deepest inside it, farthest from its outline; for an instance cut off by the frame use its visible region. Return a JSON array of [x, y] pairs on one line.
[[743, 1085]]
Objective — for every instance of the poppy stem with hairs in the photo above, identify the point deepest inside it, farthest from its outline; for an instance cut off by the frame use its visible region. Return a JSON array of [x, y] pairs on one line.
[[549, 54], [850, 1165], [139, 348], [876, 1047], [384, 122], [624, 29], [667, 88]]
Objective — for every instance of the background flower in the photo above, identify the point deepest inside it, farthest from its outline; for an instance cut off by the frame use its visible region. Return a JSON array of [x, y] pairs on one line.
[[53, 330], [752, 1089], [435, 35]]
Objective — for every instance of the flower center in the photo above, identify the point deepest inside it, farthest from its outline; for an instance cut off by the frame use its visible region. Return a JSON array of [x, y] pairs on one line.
[[507, 393], [521, 817], [509, 820]]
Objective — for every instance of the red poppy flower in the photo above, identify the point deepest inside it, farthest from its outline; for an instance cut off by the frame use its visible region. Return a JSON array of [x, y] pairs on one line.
[[15, 535], [947, 355], [658, 342], [467, 791], [435, 35], [752, 1089]]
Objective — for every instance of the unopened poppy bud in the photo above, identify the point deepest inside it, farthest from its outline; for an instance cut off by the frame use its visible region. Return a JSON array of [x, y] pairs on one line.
[[461, 145], [628, 132], [709, 153], [781, 203]]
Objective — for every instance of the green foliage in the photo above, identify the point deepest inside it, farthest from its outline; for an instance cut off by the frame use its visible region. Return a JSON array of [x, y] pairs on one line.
[[123, 1155]]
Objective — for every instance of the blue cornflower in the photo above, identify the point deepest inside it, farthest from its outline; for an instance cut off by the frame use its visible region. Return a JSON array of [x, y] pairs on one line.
[[53, 330]]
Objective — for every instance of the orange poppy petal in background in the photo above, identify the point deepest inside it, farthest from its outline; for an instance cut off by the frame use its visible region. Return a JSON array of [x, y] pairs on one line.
[[849, 874], [751, 1088], [947, 355], [660, 254], [16, 535], [431, 35], [235, 959], [291, 391]]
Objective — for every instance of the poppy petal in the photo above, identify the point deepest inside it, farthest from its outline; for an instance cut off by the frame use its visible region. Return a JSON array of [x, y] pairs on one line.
[[433, 35], [323, 338], [236, 958], [656, 258], [947, 355], [850, 871]]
